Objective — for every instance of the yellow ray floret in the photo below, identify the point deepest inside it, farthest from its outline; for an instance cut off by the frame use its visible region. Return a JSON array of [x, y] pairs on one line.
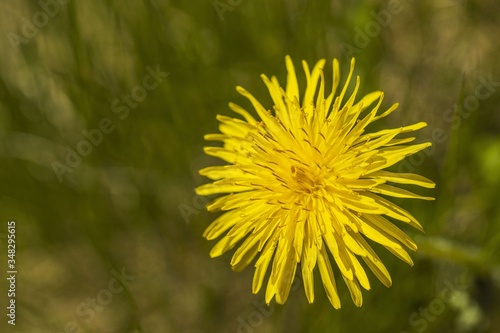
[[305, 185]]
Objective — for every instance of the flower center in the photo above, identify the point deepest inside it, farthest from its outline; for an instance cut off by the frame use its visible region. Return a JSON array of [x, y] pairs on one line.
[[305, 179]]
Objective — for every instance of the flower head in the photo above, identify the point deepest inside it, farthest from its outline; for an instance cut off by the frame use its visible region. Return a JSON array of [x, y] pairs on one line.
[[306, 184]]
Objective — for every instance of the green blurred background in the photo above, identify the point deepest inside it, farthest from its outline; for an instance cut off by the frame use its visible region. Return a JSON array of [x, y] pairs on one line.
[[129, 207]]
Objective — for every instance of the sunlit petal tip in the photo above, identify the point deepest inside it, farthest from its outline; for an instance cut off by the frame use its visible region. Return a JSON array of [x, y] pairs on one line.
[[241, 90], [353, 62], [215, 253]]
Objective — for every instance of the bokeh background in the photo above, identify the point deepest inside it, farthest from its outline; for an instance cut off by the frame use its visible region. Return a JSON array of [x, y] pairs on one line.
[[129, 209]]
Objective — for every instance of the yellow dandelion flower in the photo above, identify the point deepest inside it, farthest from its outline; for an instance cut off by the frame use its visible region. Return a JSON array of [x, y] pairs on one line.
[[305, 183]]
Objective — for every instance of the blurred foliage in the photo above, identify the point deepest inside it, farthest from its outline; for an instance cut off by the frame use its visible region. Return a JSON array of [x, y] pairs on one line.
[[129, 204]]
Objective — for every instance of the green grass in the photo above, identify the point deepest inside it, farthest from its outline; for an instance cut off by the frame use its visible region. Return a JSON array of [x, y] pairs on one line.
[[119, 207]]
